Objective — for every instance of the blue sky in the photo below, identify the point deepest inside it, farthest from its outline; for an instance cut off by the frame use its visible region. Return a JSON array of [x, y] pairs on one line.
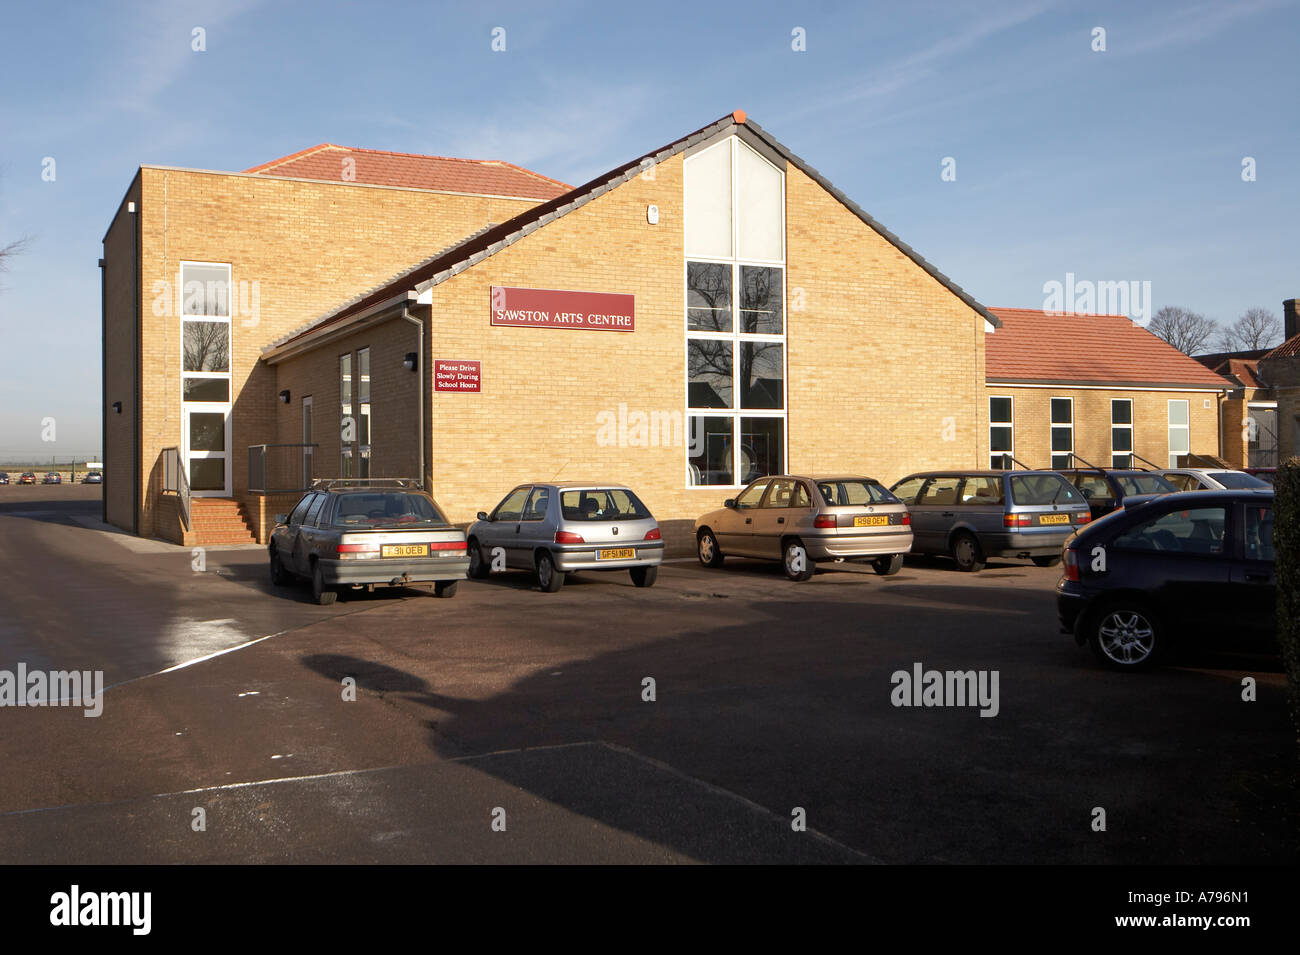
[[1123, 165]]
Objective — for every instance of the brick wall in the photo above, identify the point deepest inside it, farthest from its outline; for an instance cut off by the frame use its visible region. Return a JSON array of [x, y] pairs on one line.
[[121, 264], [308, 247], [1092, 422]]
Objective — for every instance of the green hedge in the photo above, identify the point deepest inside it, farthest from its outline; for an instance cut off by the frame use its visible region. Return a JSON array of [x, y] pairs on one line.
[[1286, 545]]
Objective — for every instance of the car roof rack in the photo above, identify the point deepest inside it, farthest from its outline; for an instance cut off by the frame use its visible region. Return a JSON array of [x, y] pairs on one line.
[[1009, 462], [326, 484]]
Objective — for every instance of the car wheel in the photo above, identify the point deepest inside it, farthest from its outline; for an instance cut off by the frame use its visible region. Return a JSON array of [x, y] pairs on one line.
[[550, 579], [320, 593], [279, 576], [445, 588], [798, 565], [644, 576], [967, 553], [1126, 635], [706, 548], [1046, 561], [478, 567], [888, 565]]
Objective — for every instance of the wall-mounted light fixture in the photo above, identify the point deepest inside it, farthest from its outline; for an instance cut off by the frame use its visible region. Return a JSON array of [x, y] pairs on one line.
[[117, 407], [284, 396], [409, 362]]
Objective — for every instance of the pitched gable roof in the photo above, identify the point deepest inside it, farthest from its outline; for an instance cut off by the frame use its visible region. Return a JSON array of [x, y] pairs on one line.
[[1038, 347], [378, 167], [1288, 349], [467, 253]]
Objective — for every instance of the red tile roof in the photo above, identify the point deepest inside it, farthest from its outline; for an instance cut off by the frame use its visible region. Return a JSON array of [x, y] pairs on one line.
[[1288, 349], [1035, 346], [380, 168]]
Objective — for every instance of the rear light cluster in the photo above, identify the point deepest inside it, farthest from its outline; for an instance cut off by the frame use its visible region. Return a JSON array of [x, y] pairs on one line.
[[652, 534], [825, 520], [1083, 518], [1017, 520], [566, 537], [1070, 563]]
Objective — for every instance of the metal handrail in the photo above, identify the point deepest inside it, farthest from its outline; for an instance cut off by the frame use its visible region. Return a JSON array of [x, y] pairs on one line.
[[261, 481], [175, 479]]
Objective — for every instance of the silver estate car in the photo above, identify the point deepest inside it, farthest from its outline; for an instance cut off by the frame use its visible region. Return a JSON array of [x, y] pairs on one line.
[[974, 515], [555, 529], [801, 520], [1211, 479], [344, 534]]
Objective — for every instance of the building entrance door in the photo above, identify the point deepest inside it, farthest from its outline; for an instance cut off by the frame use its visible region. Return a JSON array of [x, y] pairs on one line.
[[207, 450]]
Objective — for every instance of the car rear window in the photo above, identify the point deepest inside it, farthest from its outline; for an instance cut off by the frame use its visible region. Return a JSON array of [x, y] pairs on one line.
[[1041, 489], [386, 509], [854, 493], [1237, 479], [607, 504], [1144, 484]]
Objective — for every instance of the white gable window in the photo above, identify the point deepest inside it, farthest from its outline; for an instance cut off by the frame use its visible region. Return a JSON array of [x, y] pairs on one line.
[[735, 315]]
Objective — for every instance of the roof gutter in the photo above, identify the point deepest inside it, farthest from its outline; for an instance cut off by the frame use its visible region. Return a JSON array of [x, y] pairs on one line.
[[379, 312]]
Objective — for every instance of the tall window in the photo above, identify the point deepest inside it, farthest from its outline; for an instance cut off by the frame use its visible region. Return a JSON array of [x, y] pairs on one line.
[[1121, 432], [347, 424], [735, 315], [363, 413], [205, 332], [1062, 432], [1180, 432], [1001, 432]]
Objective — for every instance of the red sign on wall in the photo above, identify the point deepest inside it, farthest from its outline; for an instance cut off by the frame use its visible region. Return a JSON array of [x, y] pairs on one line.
[[552, 308], [452, 375]]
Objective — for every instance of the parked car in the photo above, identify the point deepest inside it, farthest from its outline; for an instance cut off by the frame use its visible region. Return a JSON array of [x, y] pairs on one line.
[[1106, 489], [973, 515], [93, 477], [27, 477], [1194, 568], [52, 477], [1210, 479], [1267, 475], [557, 529], [371, 534], [4, 477], [802, 520]]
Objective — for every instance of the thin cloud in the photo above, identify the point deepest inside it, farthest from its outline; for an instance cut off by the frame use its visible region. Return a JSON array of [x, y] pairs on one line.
[[1200, 23]]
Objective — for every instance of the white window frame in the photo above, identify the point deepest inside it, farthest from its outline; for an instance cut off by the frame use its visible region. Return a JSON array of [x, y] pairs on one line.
[[736, 337], [345, 411], [1173, 458], [1053, 425], [361, 386], [207, 407], [1132, 437], [1002, 424]]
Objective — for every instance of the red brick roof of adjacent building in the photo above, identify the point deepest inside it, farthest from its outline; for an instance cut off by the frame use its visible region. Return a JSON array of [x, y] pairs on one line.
[[1036, 346], [378, 167], [1288, 349]]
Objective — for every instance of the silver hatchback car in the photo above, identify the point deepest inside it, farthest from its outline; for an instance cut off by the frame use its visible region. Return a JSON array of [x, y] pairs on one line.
[[801, 520], [555, 529]]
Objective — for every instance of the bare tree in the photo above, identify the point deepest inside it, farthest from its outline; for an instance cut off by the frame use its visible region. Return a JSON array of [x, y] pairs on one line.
[[7, 252], [1189, 332], [1258, 328]]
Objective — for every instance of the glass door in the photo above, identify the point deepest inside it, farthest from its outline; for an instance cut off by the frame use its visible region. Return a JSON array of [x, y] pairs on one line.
[[207, 451]]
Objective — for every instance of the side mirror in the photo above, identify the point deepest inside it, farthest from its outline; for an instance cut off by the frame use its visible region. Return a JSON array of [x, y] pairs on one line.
[[482, 515], [282, 518], [729, 502]]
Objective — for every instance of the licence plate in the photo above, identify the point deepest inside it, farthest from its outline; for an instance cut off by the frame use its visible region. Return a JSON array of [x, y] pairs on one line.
[[616, 553], [404, 550], [1054, 519], [877, 520]]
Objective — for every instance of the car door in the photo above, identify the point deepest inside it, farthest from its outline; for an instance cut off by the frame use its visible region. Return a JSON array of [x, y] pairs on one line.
[[534, 529], [1181, 558], [310, 535], [503, 529], [773, 516], [935, 511], [286, 537], [735, 530], [907, 491], [1254, 581]]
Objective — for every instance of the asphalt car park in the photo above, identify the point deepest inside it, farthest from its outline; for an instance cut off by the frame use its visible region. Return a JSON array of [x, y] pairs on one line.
[[767, 697]]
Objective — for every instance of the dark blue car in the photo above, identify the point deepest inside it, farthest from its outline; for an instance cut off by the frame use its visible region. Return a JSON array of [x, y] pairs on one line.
[[1194, 568]]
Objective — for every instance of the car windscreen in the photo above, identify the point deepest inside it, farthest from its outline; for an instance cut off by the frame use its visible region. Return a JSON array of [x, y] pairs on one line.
[[1041, 489], [387, 509], [1237, 479], [1144, 484], [604, 504], [854, 493]]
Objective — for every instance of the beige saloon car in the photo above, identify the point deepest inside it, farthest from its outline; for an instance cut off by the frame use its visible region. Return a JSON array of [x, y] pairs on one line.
[[802, 520]]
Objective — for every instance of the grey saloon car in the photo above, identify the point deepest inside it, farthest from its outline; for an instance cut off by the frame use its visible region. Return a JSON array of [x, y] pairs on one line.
[[973, 515], [557, 529], [354, 535], [801, 520]]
